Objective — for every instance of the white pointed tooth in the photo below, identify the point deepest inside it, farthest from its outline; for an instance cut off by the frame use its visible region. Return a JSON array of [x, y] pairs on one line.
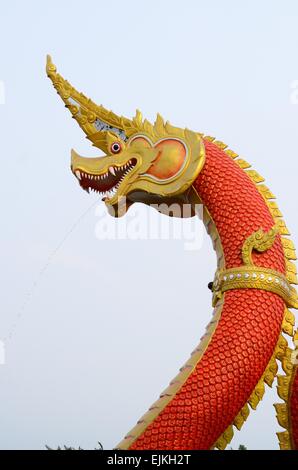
[[78, 175], [111, 170]]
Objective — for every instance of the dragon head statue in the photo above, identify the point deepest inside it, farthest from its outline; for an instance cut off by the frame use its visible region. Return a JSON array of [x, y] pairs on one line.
[[142, 163]]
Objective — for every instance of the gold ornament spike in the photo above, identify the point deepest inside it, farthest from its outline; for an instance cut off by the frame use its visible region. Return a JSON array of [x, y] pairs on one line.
[[290, 254], [284, 440], [225, 438], [287, 328], [281, 348], [241, 417], [273, 207], [271, 372], [138, 119], [287, 244], [283, 383], [257, 395], [288, 323], [290, 317], [283, 230], [209, 138], [282, 415], [291, 267], [159, 125], [265, 191], [220, 144], [292, 278], [254, 176], [231, 153], [243, 163], [286, 362]]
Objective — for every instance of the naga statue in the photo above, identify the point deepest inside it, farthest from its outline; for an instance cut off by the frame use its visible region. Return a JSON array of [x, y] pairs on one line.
[[252, 291]]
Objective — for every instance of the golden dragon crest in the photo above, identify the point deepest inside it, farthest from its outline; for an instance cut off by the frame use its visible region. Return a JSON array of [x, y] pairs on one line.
[[253, 286]]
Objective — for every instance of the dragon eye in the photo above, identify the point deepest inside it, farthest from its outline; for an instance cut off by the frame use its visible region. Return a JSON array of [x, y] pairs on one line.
[[116, 147]]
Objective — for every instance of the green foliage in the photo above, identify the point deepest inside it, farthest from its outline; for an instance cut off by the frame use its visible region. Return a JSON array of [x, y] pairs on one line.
[[241, 447], [100, 447]]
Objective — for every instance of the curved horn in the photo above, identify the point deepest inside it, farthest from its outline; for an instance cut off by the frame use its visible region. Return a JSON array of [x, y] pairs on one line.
[[95, 120]]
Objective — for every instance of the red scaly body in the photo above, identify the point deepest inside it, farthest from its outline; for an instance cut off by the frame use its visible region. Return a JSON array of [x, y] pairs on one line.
[[249, 327]]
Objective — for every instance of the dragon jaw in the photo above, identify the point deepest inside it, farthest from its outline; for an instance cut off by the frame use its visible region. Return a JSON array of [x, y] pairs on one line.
[[106, 183], [141, 160]]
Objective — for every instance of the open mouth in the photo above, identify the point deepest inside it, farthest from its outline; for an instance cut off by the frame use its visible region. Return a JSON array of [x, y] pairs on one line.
[[107, 183]]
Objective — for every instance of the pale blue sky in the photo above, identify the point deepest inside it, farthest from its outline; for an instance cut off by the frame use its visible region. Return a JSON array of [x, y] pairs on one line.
[[103, 330]]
